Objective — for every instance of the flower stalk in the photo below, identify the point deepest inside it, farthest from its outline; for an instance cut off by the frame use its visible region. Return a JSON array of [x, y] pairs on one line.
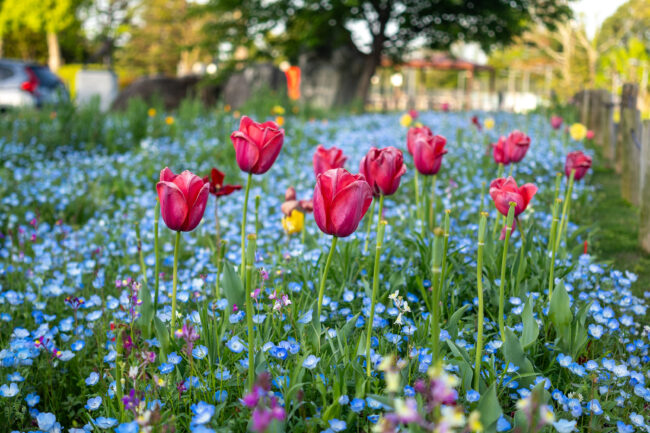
[[509, 220], [323, 279], [553, 239], [479, 289], [243, 228], [250, 265], [175, 279], [371, 217], [432, 205], [436, 271], [381, 226]]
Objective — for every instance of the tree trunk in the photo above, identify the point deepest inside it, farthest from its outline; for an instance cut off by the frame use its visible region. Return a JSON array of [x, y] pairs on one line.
[[54, 51], [369, 67]]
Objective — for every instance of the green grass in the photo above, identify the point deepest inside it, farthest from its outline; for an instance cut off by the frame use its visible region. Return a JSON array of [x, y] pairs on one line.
[[615, 225]]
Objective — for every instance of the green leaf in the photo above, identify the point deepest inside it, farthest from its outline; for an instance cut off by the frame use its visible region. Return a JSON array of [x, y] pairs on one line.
[[232, 285], [163, 336], [515, 355], [531, 329], [490, 409], [146, 308], [452, 327]]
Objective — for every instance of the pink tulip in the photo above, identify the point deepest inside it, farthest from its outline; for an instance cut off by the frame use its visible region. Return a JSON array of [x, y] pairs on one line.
[[579, 162], [327, 159], [499, 152], [590, 134], [182, 199], [516, 146], [556, 122], [383, 169], [257, 145], [413, 133], [428, 152], [503, 191], [341, 200]]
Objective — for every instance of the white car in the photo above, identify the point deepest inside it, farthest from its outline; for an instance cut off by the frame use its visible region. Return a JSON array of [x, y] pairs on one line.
[[27, 84]]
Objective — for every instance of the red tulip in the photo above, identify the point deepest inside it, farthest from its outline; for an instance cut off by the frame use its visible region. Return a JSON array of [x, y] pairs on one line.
[[341, 200], [217, 188], [413, 133], [327, 159], [445, 106], [579, 162], [383, 169], [590, 134], [414, 114], [516, 146], [428, 152], [182, 199], [499, 152], [503, 191], [257, 145], [556, 122], [477, 123]]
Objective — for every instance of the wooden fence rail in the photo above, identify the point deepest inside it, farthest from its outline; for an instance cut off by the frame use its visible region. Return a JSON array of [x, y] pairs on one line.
[[625, 144]]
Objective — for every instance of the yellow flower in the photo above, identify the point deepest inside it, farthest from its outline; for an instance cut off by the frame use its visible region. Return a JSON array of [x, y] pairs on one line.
[[236, 114], [169, 120], [578, 131], [488, 123], [546, 415], [151, 112], [227, 108], [405, 120], [474, 422], [294, 222], [279, 120], [277, 110]]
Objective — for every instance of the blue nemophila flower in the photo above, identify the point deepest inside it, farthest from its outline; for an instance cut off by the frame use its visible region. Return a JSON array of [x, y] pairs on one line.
[[624, 428], [357, 404], [637, 419], [306, 318], [565, 426], [128, 427], [32, 399], [92, 379], [45, 420], [591, 365], [473, 396], [105, 423], [174, 358], [202, 411], [221, 396], [93, 403], [15, 377], [166, 367], [594, 407], [564, 360], [344, 399], [235, 344], [337, 425], [200, 352], [8, 390], [310, 362], [503, 424], [201, 428]]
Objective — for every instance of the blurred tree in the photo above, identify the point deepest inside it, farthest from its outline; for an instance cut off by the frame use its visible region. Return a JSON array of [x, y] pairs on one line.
[[48, 16], [107, 21], [631, 20], [165, 40], [288, 27]]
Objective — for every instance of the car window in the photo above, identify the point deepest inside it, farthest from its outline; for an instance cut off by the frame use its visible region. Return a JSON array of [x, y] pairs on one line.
[[5, 72], [45, 77]]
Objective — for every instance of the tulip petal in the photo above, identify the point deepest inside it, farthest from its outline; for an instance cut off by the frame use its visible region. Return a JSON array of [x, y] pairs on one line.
[[349, 206], [167, 175], [197, 209], [246, 151], [269, 152], [527, 192], [320, 208], [173, 206]]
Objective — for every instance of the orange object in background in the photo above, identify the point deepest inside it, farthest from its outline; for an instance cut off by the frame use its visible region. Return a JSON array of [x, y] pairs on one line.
[[293, 82]]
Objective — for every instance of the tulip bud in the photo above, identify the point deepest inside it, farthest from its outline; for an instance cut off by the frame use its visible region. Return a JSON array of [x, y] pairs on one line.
[[327, 159], [183, 198], [257, 145], [383, 169]]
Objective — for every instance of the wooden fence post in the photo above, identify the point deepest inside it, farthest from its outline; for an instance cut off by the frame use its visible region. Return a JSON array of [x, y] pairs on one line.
[[628, 149], [644, 222], [606, 136]]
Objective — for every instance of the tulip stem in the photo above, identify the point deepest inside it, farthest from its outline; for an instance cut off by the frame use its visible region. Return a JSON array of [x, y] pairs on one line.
[[564, 221], [371, 217], [479, 289], [432, 205], [553, 238], [558, 181], [252, 241], [156, 219], [497, 223], [218, 249], [175, 278], [243, 228], [323, 279], [416, 187], [480, 209], [140, 256], [502, 282], [436, 271], [381, 225]]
